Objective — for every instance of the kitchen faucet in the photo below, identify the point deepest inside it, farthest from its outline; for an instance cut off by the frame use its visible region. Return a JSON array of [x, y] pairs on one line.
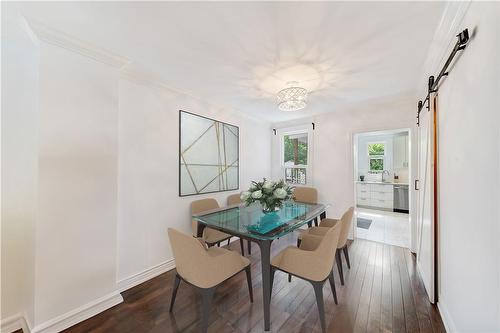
[[384, 172]]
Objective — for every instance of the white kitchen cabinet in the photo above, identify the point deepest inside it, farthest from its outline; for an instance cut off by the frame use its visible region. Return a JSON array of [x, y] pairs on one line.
[[375, 195], [400, 152], [381, 188], [380, 203], [364, 202], [363, 192]]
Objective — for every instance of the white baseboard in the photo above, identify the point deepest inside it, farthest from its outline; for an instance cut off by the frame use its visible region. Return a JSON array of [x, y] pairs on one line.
[[145, 275], [425, 283], [79, 314], [88, 310], [14, 323], [449, 325]]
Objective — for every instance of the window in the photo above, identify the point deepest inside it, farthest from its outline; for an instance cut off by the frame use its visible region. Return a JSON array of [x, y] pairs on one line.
[[376, 154], [376, 164], [295, 157], [292, 155]]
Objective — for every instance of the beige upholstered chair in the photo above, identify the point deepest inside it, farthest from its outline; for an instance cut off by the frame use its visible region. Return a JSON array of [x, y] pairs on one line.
[[234, 199], [313, 262], [210, 236], [346, 225], [307, 195], [204, 268]]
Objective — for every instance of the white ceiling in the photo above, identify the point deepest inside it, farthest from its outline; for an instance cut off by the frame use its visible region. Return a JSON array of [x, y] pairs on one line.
[[239, 54]]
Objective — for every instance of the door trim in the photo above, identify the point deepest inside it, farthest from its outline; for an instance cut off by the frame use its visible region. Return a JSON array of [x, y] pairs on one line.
[[436, 197]]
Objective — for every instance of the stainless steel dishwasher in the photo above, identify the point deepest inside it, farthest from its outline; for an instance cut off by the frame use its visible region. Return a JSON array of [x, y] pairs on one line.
[[401, 202]]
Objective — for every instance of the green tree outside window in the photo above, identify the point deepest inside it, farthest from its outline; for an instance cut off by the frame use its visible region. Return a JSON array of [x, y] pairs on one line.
[[376, 149], [295, 150], [376, 164]]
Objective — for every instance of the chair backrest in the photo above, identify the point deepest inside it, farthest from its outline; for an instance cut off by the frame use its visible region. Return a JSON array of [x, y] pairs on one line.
[[346, 223], [199, 206], [326, 250], [234, 199], [188, 251], [306, 194]]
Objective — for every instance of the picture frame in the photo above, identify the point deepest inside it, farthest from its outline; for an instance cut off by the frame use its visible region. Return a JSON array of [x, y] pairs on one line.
[[208, 155]]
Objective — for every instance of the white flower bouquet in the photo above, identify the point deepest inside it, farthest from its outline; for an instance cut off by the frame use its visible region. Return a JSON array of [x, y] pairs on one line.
[[271, 195]]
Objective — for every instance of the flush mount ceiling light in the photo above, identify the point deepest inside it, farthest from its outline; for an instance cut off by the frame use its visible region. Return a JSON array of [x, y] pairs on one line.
[[292, 98]]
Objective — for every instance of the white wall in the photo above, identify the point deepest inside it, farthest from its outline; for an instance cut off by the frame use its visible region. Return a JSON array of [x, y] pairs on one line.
[[77, 177], [333, 171], [148, 169], [19, 167], [469, 171], [90, 175]]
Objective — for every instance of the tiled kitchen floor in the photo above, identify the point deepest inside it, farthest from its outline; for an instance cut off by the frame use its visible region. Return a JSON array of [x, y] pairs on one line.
[[387, 227]]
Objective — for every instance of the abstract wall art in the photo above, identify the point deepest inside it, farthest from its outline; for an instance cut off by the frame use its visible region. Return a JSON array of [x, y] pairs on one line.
[[208, 155]]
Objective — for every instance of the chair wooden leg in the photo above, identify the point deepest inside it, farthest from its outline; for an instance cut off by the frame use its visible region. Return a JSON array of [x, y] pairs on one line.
[[249, 282], [318, 290], [315, 221], [228, 241], [332, 285], [249, 247], [206, 301], [241, 247], [346, 255], [177, 281], [339, 266]]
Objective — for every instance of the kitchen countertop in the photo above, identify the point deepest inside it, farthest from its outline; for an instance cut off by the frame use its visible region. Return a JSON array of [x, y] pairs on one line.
[[381, 183]]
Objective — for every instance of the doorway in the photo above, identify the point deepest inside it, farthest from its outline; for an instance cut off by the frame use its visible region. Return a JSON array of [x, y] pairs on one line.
[[382, 173]]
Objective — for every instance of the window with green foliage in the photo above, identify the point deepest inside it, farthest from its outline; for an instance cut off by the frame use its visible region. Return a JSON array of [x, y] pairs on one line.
[[376, 153], [295, 150], [376, 149], [376, 164]]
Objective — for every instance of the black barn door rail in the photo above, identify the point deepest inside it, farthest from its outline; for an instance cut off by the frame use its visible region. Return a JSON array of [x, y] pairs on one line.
[[462, 40]]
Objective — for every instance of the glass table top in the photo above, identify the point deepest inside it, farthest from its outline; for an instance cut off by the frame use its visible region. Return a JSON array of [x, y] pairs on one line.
[[251, 222]]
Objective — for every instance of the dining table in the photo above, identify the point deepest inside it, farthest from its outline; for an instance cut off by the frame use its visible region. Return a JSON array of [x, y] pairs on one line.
[[255, 225]]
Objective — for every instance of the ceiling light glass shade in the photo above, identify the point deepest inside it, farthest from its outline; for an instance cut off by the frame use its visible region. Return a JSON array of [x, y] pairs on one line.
[[292, 99]]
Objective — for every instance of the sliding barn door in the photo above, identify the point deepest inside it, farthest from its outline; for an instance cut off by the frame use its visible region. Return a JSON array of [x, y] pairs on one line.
[[426, 222]]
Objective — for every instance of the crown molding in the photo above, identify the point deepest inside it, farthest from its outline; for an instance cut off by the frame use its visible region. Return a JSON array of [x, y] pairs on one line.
[[141, 78], [58, 38]]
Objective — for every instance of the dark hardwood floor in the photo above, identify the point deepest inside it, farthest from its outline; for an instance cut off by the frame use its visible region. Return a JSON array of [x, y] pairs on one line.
[[382, 293]]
